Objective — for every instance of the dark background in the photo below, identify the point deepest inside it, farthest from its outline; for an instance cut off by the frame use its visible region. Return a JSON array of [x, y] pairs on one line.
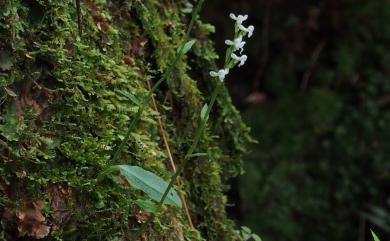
[[316, 93]]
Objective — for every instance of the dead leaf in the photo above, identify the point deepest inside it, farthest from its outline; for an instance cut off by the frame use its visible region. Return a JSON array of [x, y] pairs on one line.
[[32, 222]]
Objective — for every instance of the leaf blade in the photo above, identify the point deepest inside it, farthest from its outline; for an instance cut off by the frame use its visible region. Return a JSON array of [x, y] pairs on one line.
[[130, 96], [151, 184], [374, 236], [186, 47], [203, 112]]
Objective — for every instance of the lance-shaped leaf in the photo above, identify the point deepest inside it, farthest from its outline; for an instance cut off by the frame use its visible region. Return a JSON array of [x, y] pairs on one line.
[[186, 47], [374, 236], [203, 112], [131, 97], [148, 182]]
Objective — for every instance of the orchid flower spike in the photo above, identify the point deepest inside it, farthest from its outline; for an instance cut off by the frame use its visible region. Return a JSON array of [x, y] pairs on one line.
[[240, 59], [239, 18], [237, 43], [220, 74], [248, 30]]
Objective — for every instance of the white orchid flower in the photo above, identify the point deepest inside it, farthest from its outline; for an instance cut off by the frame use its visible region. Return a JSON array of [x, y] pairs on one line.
[[220, 74], [240, 59], [239, 19], [248, 30], [237, 43]]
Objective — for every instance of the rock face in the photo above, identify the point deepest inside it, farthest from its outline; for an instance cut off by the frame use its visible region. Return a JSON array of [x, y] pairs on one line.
[[64, 113]]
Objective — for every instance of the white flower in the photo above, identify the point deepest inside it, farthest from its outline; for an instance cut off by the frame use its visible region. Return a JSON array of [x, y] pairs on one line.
[[240, 59], [220, 74], [248, 30], [239, 19], [237, 43]]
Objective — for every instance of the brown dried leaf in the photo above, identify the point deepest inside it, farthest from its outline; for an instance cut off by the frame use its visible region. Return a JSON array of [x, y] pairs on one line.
[[42, 231], [32, 221]]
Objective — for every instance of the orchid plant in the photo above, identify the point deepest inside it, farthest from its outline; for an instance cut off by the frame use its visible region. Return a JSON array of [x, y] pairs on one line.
[[232, 59]]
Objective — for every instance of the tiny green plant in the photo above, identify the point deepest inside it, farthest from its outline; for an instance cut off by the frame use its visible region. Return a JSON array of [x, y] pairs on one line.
[[246, 234]]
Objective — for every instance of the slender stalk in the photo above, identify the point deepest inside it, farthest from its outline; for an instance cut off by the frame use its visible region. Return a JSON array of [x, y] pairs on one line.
[[132, 124]]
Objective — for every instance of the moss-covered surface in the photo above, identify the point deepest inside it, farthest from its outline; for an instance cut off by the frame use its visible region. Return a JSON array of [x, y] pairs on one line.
[[62, 118]]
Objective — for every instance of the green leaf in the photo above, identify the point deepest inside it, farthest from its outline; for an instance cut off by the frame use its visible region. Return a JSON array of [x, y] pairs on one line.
[[148, 206], [246, 236], [188, 8], [256, 237], [148, 182], [246, 229], [246, 233], [203, 112], [131, 97], [187, 46], [10, 92], [374, 236]]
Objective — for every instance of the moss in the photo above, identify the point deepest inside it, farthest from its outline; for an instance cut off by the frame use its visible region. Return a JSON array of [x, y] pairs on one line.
[[61, 103]]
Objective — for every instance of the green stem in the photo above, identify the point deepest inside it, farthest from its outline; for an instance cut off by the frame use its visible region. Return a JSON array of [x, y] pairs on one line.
[[128, 134]]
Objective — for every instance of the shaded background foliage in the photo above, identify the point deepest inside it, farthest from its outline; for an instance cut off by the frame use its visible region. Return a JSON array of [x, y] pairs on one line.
[[316, 92]]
